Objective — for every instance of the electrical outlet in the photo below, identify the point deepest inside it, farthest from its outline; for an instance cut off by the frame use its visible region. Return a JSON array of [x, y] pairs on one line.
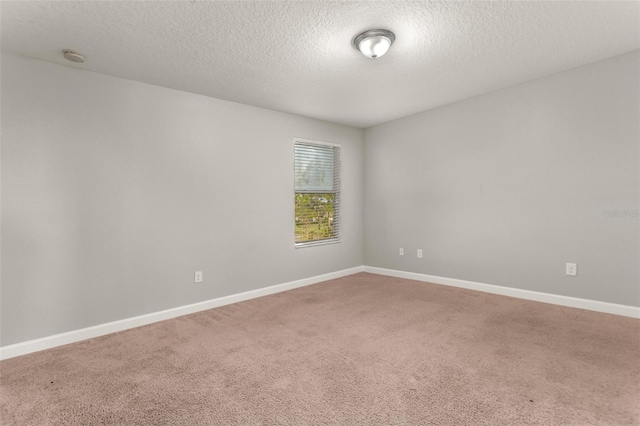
[[572, 269], [198, 277], [401, 252], [419, 253]]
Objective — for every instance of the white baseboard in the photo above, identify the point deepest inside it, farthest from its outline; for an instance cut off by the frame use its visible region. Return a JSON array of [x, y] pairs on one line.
[[573, 302], [49, 342]]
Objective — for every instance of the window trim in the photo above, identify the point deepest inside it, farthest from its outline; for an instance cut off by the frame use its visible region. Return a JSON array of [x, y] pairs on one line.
[[338, 194]]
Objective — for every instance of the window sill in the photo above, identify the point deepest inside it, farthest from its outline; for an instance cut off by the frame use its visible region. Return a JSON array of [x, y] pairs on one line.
[[317, 243]]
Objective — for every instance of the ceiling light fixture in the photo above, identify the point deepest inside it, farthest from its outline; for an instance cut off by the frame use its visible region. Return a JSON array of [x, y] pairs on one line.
[[374, 43], [72, 56]]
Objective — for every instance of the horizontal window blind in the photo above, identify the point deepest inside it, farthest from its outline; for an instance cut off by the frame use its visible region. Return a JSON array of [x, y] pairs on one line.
[[315, 168], [317, 193]]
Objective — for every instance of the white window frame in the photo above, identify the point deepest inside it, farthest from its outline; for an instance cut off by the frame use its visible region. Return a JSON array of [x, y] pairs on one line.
[[337, 194]]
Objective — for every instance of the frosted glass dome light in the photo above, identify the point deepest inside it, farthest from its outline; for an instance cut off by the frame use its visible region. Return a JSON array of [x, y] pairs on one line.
[[374, 43]]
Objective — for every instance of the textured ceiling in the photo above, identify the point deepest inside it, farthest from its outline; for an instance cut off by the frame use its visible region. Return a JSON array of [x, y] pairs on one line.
[[296, 56]]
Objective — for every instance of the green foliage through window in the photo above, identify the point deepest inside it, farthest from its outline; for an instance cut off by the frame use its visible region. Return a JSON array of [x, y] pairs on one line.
[[314, 217]]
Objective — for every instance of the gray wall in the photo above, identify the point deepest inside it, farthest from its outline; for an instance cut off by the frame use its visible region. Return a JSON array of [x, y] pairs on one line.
[[507, 187], [114, 192]]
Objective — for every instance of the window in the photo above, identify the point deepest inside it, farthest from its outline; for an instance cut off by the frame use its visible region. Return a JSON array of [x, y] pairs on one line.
[[317, 193]]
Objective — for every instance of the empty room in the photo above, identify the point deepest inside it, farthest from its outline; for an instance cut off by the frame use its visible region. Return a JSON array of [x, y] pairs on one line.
[[320, 212]]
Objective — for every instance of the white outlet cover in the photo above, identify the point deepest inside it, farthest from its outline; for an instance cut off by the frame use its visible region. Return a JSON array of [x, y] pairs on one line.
[[572, 269], [419, 254], [401, 251]]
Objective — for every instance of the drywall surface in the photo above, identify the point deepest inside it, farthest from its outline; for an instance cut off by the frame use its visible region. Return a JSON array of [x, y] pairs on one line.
[[114, 192], [507, 187]]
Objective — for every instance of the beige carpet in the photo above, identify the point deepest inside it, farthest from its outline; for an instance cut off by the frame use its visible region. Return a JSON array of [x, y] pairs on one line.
[[364, 349]]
